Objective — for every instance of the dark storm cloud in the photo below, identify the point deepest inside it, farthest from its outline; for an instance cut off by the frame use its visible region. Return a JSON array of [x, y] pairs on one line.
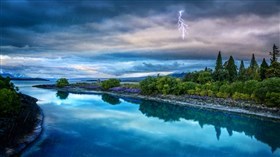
[[168, 55], [63, 13], [119, 32], [28, 14], [21, 20]]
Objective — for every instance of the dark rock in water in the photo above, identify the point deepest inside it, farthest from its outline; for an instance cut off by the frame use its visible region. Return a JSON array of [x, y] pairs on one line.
[[19, 130], [45, 86]]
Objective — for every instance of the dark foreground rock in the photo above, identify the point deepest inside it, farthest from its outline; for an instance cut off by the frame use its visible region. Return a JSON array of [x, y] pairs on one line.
[[19, 130]]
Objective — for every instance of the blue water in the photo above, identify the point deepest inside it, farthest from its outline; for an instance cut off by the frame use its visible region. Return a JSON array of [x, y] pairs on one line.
[[103, 125]]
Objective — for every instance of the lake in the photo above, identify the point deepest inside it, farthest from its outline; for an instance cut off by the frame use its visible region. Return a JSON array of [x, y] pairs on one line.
[[105, 125]]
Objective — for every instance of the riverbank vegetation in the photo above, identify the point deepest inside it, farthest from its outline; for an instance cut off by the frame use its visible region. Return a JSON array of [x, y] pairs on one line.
[[253, 83], [62, 82], [20, 119], [110, 83], [9, 98], [257, 83]]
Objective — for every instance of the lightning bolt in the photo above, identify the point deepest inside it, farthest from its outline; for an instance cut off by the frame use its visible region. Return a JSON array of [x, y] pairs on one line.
[[182, 27]]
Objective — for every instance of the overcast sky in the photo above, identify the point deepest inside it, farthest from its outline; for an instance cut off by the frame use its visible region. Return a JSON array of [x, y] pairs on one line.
[[130, 38]]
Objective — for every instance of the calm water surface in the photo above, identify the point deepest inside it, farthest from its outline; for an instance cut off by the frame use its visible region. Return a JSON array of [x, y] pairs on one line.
[[104, 125]]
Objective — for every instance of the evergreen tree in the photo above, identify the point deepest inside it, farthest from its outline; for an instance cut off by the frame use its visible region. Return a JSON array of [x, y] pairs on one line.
[[242, 70], [231, 68], [253, 70], [273, 70], [220, 73], [241, 67], [253, 63], [275, 54], [219, 62], [263, 69]]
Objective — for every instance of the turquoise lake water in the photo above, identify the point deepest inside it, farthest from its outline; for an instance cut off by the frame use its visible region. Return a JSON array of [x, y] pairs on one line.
[[104, 125]]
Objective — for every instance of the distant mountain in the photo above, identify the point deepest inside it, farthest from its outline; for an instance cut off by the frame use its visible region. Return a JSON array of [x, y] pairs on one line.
[[21, 77], [178, 75], [7, 75], [128, 79], [29, 79], [133, 79]]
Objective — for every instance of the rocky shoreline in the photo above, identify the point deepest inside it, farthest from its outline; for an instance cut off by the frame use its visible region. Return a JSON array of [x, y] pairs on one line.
[[20, 130], [206, 102]]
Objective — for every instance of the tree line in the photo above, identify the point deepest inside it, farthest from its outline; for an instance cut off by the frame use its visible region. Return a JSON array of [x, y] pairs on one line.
[[258, 83], [229, 71]]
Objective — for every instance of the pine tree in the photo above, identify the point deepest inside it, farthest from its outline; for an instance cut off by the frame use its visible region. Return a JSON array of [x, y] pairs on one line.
[[231, 68], [273, 70], [253, 70], [263, 68], [253, 63], [242, 70], [220, 73], [275, 54], [241, 67], [219, 62]]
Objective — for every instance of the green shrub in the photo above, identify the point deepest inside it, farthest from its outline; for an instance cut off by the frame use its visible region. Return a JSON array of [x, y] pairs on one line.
[[210, 93], [149, 86], [191, 91], [252, 96], [203, 93], [245, 96], [236, 96], [62, 82], [189, 85], [222, 95], [267, 91], [237, 87], [179, 89], [204, 77], [273, 99], [225, 88], [197, 90], [166, 89], [110, 83], [241, 96], [9, 101], [183, 87], [215, 86], [250, 86], [168, 85], [162, 85], [6, 83]]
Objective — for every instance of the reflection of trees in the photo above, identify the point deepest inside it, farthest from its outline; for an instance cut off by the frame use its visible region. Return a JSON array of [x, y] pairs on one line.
[[263, 130], [110, 99], [132, 100], [62, 95], [160, 110]]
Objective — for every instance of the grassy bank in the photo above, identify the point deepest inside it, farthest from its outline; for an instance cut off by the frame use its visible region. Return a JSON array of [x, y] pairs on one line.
[[20, 119]]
